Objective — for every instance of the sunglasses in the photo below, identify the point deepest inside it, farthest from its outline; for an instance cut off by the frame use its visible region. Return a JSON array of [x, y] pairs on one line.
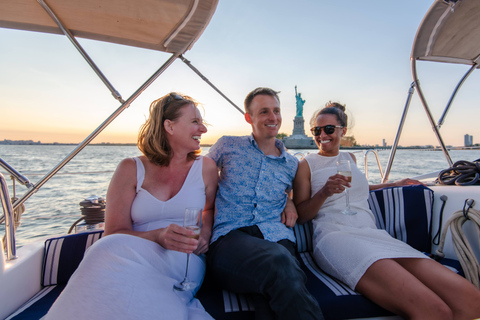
[[328, 129], [174, 96]]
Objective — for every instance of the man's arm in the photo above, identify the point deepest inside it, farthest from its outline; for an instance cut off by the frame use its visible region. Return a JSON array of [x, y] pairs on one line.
[[289, 214]]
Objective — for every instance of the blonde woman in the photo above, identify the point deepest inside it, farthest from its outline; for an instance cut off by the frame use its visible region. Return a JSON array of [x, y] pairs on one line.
[[130, 273]]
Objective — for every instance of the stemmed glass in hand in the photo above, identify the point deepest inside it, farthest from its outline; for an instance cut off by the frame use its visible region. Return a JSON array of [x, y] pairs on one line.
[[191, 221], [343, 168]]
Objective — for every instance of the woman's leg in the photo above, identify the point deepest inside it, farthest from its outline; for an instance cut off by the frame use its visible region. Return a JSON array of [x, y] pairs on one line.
[[458, 293], [391, 286]]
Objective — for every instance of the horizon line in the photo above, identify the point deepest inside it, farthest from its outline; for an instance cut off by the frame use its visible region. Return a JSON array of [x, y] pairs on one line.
[[31, 142]]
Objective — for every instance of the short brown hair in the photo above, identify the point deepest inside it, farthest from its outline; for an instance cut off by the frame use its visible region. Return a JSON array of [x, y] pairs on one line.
[[259, 91], [152, 138]]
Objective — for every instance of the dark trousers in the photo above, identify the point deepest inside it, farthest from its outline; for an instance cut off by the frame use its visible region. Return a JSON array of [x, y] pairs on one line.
[[242, 261]]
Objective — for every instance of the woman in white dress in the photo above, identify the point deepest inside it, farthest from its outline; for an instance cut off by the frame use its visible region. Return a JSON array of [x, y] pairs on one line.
[[351, 248], [130, 272]]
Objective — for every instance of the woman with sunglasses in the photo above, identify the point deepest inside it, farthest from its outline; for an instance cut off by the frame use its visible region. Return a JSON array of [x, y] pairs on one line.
[[351, 248], [130, 272]]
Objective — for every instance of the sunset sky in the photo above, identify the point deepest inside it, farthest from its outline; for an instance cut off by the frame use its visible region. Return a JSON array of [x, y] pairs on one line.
[[350, 51]]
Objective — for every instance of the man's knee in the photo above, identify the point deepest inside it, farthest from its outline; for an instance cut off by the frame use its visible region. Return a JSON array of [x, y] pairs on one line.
[[283, 266]]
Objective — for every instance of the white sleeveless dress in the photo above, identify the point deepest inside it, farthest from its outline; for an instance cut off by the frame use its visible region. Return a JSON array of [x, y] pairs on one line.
[[346, 246], [127, 277]]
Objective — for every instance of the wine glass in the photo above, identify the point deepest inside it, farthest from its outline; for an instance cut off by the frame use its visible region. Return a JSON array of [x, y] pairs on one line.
[[191, 221], [343, 168]]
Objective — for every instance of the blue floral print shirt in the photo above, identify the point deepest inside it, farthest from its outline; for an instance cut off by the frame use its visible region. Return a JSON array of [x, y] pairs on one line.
[[252, 188]]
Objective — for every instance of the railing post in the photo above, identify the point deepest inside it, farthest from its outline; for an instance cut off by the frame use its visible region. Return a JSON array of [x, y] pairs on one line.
[[9, 220], [411, 91], [378, 162]]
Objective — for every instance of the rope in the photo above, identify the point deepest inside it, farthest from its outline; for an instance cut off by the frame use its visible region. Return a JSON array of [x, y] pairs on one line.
[[463, 249], [462, 173], [17, 215]]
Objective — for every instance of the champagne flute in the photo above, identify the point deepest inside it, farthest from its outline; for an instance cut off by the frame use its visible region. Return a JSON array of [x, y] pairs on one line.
[[343, 168], [191, 221]]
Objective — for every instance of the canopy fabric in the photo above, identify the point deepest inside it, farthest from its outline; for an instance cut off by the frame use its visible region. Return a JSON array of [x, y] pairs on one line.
[[166, 25], [449, 32]]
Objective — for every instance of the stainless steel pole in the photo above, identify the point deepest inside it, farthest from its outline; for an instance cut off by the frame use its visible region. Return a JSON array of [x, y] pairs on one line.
[[429, 114], [9, 219], [97, 131], [77, 45], [411, 91]]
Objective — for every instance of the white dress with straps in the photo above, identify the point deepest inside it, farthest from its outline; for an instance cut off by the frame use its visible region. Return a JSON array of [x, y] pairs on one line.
[[346, 246], [128, 277]]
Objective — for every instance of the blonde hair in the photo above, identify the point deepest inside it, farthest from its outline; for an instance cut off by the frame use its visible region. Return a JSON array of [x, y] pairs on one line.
[[152, 138]]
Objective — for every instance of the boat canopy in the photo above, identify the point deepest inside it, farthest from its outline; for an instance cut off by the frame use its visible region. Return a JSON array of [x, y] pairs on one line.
[[449, 32], [166, 25]]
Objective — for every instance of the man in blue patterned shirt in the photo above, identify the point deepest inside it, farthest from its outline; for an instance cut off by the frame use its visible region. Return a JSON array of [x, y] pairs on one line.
[[252, 249]]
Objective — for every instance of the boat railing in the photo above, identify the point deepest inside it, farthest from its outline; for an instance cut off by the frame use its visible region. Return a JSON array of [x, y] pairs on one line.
[[15, 174], [365, 158], [300, 155], [8, 212], [9, 219]]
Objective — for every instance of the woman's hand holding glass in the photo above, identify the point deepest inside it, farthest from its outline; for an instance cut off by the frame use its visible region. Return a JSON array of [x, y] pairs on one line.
[[193, 222], [335, 184], [344, 169], [177, 238]]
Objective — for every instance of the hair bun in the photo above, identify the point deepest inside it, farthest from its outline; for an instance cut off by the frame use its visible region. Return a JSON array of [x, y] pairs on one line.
[[337, 105]]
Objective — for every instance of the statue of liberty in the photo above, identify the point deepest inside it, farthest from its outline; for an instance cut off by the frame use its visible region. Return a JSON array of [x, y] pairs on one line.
[[300, 103]]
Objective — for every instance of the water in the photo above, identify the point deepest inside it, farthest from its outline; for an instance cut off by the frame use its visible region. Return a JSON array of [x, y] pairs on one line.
[[55, 207]]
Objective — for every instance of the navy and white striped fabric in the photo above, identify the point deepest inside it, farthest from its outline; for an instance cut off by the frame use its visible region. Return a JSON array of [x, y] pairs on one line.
[[63, 255], [236, 302], [336, 300], [304, 234], [405, 213], [38, 306]]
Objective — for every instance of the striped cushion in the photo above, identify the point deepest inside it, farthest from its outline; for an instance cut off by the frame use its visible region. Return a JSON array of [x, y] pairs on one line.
[[63, 255], [38, 305], [303, 235], [405, 213], [336, 300]]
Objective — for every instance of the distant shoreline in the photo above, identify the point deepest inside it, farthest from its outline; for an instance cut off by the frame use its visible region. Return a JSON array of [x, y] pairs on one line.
[[32, 143], [38, 143], [20, 143]]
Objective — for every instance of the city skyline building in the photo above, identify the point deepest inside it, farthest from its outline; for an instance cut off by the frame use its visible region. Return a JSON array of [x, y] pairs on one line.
[[468, 140]]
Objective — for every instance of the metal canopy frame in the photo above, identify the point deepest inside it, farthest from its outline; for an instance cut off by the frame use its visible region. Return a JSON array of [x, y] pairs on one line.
[[449, 33]]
